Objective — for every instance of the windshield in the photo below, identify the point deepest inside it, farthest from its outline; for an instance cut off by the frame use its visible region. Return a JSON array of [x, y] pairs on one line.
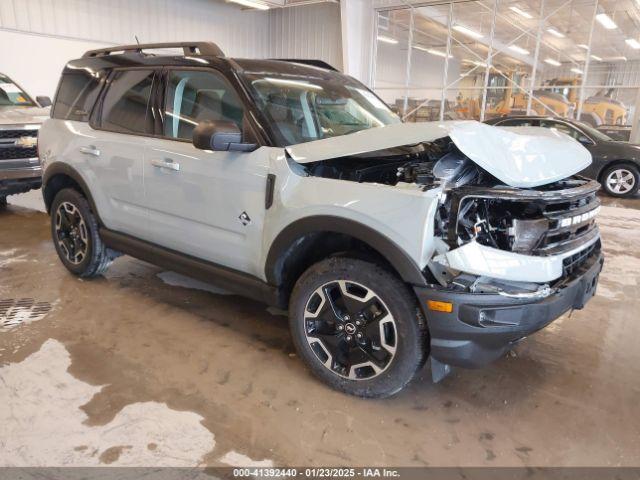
[[303, 109], [593, 133], [12, 95]]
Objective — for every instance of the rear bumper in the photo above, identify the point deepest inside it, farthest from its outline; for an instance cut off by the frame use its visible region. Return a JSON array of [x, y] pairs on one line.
[[19, 180], [482, 327]]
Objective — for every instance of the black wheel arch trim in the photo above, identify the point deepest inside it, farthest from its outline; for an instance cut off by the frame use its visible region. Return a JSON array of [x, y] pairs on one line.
[[60, 168], [396, 256]]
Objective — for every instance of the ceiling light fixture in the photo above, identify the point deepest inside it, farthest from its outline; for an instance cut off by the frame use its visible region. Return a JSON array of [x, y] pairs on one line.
[[392, 41], [518, 49], [251, 4], [595, 57], [553, 62], [582, 45], [619, 58], [633, 43], [467, 31], [606, 21], [555, 32], [522, 13], [577, 70]]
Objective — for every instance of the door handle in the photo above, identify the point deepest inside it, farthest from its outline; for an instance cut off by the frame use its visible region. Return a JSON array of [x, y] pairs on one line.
[[90, 150], [166, 163]]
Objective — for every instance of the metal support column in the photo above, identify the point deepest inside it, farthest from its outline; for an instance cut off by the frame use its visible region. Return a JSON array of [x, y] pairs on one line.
[[407, 78], [487, 70], [535, 57], [587, 62], [445, 74]]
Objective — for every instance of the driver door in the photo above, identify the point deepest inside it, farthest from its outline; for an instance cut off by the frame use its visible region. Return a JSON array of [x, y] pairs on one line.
[[207, 204]]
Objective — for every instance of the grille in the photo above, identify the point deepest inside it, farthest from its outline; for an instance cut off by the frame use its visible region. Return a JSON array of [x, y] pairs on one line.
[[571, 223], [9, 153], [574, 262], [18, 133]]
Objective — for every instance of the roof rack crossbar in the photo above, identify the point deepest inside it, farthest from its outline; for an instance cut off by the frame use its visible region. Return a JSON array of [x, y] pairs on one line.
[[189, 48]]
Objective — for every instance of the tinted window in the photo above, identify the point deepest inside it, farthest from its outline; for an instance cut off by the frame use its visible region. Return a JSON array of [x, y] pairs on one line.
[[514, 122], [75, 97], [561, 127], [194, 96], [125, 105], [12, 95]]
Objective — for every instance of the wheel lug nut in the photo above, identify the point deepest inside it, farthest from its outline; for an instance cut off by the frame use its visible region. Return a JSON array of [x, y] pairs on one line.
[[348, 338], [340, 327], [359, 335], [347, 318], [358, 322]]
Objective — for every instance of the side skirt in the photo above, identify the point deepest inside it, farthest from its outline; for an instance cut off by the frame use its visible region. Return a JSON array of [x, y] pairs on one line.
[[229, 279]]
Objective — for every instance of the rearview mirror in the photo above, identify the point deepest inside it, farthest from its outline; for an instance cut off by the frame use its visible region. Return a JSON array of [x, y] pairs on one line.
[[43, 101], [220, 136]]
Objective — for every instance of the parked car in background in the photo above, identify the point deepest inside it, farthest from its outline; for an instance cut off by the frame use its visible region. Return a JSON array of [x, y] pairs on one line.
[[20, 120], [621, 133], [616, 164]]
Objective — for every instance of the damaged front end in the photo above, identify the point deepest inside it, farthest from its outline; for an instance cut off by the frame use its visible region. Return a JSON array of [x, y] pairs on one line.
[[514, 241]]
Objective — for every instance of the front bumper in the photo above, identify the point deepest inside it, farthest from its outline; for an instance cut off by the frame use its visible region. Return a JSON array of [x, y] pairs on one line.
[[482, 327], [19, 180]]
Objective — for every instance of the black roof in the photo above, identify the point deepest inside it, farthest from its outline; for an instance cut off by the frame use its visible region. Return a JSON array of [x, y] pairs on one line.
[[197, 54]]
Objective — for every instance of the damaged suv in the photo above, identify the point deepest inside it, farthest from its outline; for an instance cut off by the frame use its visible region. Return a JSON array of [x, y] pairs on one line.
[[290, 183]]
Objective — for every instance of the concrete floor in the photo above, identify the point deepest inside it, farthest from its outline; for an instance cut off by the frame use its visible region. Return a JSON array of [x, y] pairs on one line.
[[144, 367]]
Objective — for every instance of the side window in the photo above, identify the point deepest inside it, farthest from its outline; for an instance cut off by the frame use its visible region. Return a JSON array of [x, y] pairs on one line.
[[514, 122], [193, 96], [75, 97], [561, 127], [126, 103]]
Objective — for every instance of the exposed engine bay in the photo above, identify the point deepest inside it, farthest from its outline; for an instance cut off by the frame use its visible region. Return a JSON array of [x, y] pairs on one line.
[[476, 207]]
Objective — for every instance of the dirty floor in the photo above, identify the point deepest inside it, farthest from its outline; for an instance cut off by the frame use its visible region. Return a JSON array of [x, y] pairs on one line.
[[145, 367]]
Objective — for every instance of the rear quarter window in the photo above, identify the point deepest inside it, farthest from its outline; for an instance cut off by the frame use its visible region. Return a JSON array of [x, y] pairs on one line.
[[75, 97]]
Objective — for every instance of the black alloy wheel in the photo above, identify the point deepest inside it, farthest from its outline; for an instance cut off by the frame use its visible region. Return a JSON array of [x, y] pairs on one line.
[[71, 233], [350, 329]]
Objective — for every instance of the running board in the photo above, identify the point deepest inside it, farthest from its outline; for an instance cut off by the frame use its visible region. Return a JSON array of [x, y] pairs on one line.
[[227, 278]]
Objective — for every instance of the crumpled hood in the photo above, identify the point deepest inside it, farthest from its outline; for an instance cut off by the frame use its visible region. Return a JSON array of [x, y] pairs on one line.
[[11, 115], [520, 156]]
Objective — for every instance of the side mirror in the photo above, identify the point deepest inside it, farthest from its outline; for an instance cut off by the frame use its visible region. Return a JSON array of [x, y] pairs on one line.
[[43, 101], [220, 136], [583, 139]]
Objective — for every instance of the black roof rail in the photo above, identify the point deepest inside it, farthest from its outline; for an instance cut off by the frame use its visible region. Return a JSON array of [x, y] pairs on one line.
[[189, 48], [313, 63]]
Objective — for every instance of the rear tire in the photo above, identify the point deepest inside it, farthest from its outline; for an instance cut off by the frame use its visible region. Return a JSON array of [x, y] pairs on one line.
[[621, 180], [357, 327], [3, 202], [75, 234]]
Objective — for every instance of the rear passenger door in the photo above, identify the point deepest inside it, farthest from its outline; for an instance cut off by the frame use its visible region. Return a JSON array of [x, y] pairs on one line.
[[203, 203], [115, 155]]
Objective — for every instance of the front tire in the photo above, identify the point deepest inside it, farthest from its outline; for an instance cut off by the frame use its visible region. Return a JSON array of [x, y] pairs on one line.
[[357, 327], [74, 230], [621, 180], [3, 201]]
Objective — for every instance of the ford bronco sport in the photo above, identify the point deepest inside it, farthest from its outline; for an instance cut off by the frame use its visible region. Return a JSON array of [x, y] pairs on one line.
[[20, 119], [293, 184]]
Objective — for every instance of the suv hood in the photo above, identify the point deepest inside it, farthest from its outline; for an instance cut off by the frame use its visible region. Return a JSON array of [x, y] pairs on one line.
[[520, 157], [13, 115]]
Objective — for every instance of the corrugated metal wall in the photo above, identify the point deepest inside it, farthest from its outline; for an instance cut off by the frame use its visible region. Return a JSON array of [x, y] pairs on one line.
[[307, 32], [54, 31]]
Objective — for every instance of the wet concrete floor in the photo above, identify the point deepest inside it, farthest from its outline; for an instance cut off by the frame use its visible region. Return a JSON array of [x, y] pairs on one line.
[[143, 367]]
